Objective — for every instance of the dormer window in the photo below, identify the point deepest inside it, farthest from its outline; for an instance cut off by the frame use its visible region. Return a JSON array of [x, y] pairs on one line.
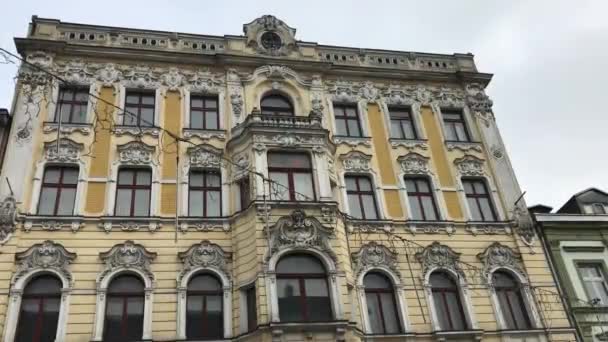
[[271, 41], [598, 208], [275, 104]]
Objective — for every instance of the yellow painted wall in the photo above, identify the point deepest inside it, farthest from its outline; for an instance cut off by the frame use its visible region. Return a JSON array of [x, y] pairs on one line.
[[172, 123]]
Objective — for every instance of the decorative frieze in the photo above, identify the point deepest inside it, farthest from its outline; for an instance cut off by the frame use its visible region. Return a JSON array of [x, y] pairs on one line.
[[205, 156], [353, 141], [464, 146], [8, 218], [470, 165], [409, 144], [203, 255], [438, 256], [414, 164], [67, 151], [431, 228], [488, 229], [44, 256], [66, 129], [374, 255], [366, 226], [356, 161], [204, 134], [200, 226], [300, 231], [53, 223], [135, 153], [127, 255], [129, 225], [498, 255]]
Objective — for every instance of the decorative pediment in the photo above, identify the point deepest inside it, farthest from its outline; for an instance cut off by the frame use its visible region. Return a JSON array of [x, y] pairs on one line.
[[141, 76], [109, 74], [204, 254], [498, 255], [373, 255], [269, 35], [440, 256], [398, 95], [75, 71], [46, 255], [470, 165], [300, 231], [127, 255], [68, 152], [8, 218], [136, 153], [356, 161], [173, 79], [414, 164], [477, 99], [352, 92], [205, 82], [205, 156]]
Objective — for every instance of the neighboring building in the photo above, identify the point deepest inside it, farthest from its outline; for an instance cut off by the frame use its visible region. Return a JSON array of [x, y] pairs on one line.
[[391, 212], [576, 238], [5, 129]]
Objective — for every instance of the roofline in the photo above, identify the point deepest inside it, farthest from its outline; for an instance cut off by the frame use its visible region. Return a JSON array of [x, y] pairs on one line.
[[556, 218], [36, 19]]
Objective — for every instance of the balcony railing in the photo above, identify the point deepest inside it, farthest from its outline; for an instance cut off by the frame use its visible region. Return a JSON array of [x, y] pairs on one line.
[[256, 119]]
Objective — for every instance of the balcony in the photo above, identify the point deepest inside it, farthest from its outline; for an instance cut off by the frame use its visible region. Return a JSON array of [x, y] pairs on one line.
[[258, 120]]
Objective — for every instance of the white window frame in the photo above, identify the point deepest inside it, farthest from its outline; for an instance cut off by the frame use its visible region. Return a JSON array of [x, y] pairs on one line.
[[15, 297], [221, 107], [159, 102], [332, 282], [435, 188], [415, 116], [182, 296], [100, 308], [492, 192], [361, 115], [380, 203], [398, 288], [52, 105]]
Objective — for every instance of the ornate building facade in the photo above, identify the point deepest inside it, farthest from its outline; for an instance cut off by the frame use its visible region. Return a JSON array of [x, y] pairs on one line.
[[164, 186]]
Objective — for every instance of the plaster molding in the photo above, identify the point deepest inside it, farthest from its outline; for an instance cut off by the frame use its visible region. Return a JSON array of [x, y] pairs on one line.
[[127, 255], [409, 144], [414, 164], [44, 256], [129, 224], [67, 151], [53, 223], [268, 23], [464, 146], [355, 161], [136, 153], [498, 255], [470, 165], [8, 218], [204, 156], [203, 255], [374, 255], [438, 256]]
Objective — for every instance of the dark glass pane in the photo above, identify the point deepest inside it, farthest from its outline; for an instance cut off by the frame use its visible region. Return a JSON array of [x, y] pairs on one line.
[[211, 120], [113, 319], [197, 178], [79, 114], [64, 111], [442, 280], [416, 209], [480, 187], [288, 160], [502, 279], [70, 176], [353, 128], [505, 309], [51, 175], [205, 282], [147, 99], [132, 98], [450, 132], [410, 185], [300, 263], [48, 197], [195, 204], [142, 203], [399, 113], [196, 102], [341, 127], [126, 284], [317, 300], [377, 281], [519, 310], [26, 328], [423, 185], [135, 318], [196, 119], [354, 206], [275, 101], [147, 117], [408, 129], [66, 202], [391, 321], [123, 202], [442, 311], [211, 103], [351, 183], [429, 208], [455, 310], [279, 188], [303, 187], [396, 131], [290, 304], [214, 204], [461, 132], [143, 177], [364, 184], [351, 111], [474, 208], [125, 177], [82, 95], [374, 313], [252, 320], [194, 316], [486, 209], [369, 207], [213, 179], [468, 186], [215, 319], [43, 285]]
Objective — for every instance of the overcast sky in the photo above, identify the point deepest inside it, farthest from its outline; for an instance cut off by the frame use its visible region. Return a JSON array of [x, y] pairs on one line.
[[549, 60]]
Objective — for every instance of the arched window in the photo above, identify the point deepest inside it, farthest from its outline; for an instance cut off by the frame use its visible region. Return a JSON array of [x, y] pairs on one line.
[[511, 301], [381, 305], [447, 302], [39, 312], [124, 317], [58, 191], [275, 104], [204, 308], [302, 289]]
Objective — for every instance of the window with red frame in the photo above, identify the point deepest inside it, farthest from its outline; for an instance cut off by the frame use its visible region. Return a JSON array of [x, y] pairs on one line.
[[275, 104], [58, 191], [204, 312], [72, 105], [204, 112], [347, 120], [478, 199], [421, 199], [133, 192], [291, 174], [361, 198], [251, 302], [205, 193], [446, 299], [511, 301], [381, 304], [454, 126], [39, 313], [124, 317], [139, 109], [244, 192], [302, 289], [402, 124]]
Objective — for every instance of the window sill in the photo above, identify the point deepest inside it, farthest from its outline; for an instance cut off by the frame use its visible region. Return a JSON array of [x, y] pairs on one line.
[[431, 227], [369, 225], [289, 327], [67, 128], [204, 224], [409, 143], [130, 224], [120, 130], [472, 335], [352, 141], [488, 228], [464, 146], [52, 223], [205, 134]]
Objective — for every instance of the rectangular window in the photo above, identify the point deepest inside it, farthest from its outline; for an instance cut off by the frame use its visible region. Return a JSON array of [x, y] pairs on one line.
[[204, 112], [361, 198], [244, 193], [347, 120], [479, 200], [421, 199], [72, 105], [251, 302], [402, 125], [58, 192], [291, 174], [455, 126], [594, 281], [205, 194], [133, 192], [139, 109]]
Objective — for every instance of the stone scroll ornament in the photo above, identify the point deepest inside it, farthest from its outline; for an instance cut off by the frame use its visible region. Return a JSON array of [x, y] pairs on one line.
[[8, 218], [374, 255], [300, 231], [206, 255], [47, 256], [127, 255], [498, 255], [436, 256]]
